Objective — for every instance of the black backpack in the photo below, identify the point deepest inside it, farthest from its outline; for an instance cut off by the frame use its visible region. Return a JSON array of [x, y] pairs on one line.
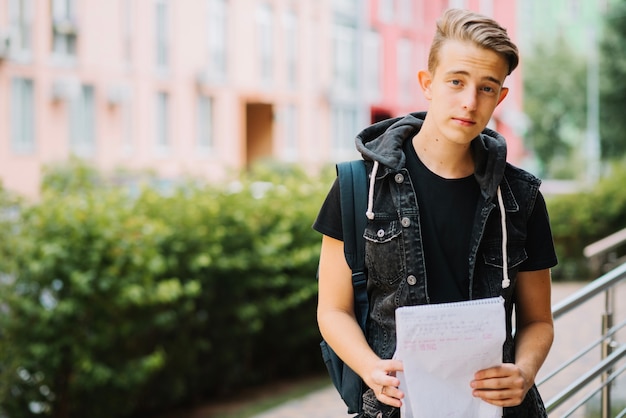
[[353, 191]]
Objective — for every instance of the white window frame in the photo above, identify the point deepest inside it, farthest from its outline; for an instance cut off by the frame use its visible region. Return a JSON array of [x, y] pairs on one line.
[[290, 21], [162, 35], [128, 145], [344, 129], [458, 4], [345, 7], [205, 126], [265, 43], [405, 68], [127, 9], [21, 28], [82, 122], [372, 51], [162, 123], [64, 30], [345, 58], [406, 10], [289, 121], [217, 38], [386, 10], [22, 116], [486, 7]]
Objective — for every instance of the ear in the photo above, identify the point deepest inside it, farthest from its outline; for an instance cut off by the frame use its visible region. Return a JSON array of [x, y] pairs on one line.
[[503, 92], [425, 80]]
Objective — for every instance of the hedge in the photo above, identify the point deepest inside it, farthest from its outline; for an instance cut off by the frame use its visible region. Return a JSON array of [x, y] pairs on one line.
[[118, 303], [582, 218]]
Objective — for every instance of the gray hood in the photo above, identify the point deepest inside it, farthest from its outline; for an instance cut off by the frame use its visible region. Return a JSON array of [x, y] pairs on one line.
[[383, 141]]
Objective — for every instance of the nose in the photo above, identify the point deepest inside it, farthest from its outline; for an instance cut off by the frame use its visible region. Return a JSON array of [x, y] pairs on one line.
[[470, 99]]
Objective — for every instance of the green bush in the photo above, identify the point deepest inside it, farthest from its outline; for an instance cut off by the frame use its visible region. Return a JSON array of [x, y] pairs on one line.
[[118, 303], [583, 218]]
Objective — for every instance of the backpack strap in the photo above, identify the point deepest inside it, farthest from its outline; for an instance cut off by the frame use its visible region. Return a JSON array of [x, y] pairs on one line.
[[353, 200], [353, 191]]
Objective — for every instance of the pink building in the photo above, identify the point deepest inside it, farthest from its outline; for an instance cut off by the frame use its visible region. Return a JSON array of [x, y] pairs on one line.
[[208, 87]]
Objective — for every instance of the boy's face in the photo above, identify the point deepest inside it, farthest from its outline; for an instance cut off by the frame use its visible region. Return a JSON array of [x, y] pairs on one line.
[[464, 91]]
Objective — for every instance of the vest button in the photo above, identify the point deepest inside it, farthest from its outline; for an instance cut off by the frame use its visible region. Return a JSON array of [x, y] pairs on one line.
[[411, 280], [406, 222], [399, 178], [380, 233]]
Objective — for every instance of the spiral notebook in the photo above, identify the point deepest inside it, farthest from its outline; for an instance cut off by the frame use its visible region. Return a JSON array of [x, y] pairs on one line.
[[441, 347]]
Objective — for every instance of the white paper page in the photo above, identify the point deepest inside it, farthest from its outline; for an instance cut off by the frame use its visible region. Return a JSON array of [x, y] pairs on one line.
[[441, 347]]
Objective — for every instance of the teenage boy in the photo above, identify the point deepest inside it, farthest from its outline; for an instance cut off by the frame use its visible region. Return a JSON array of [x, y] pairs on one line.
[[440, 192]]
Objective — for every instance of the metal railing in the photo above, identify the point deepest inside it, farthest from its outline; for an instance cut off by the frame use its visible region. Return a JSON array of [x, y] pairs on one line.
[[610, 366]]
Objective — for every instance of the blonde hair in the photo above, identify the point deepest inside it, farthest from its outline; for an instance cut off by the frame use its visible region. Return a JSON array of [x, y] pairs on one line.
[[484, 32]]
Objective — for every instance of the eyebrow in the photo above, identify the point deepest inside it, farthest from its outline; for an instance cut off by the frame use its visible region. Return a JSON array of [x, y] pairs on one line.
[[465, 73]]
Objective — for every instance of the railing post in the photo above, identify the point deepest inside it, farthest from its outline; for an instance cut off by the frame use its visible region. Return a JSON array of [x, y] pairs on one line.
[[607, 346]]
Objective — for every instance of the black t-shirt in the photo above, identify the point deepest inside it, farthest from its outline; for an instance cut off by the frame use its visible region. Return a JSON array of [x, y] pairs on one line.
[[447, 208]]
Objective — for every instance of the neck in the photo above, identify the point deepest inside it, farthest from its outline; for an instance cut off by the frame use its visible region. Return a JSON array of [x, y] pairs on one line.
[[444, 158]]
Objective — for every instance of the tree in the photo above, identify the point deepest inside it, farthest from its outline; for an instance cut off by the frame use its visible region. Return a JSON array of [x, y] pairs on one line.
[[555, 103], [613, 83]]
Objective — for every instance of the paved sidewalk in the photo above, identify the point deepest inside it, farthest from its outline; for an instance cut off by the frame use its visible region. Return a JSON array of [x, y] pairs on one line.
[[573, 332]]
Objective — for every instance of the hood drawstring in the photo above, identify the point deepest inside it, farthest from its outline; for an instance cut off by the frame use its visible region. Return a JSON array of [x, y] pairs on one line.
[[506, 282], [370, 195], [505, 268]]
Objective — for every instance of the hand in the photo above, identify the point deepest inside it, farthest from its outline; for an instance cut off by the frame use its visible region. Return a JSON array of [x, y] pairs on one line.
[[383, 381], [504, 385]]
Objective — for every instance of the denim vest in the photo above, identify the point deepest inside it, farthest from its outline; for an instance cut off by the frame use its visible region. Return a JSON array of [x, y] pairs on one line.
[[395, 263]]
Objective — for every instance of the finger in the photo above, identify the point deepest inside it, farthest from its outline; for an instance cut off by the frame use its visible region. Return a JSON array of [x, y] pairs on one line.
[[499, 401], [502, 370], [392, 392], [393, 366], [390, 395], [386, 374]]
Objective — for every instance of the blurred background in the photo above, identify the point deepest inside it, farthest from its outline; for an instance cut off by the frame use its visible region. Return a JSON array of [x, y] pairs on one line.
[[162, 161], [208, 87]]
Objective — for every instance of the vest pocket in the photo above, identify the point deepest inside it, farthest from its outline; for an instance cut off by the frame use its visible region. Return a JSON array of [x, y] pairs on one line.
[[492, 255], [384, 251]]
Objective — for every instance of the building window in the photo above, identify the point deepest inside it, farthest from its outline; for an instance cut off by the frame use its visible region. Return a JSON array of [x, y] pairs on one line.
[[162, 137], [127, 128], [290, 133], [345, 56], [217, 37], [64, 28], [486, 7], [386, 10], [405, 70], [127, 11], [291, 47], [22, 116], [345, 7], [162, 34], [405, 12], [21, 23], [344, 126], [458, 4], [82, 122], [265, 43], [372, 47], [204, 124]]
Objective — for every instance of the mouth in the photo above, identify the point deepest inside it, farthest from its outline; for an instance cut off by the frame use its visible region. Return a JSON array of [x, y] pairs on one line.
[[464, 121]]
